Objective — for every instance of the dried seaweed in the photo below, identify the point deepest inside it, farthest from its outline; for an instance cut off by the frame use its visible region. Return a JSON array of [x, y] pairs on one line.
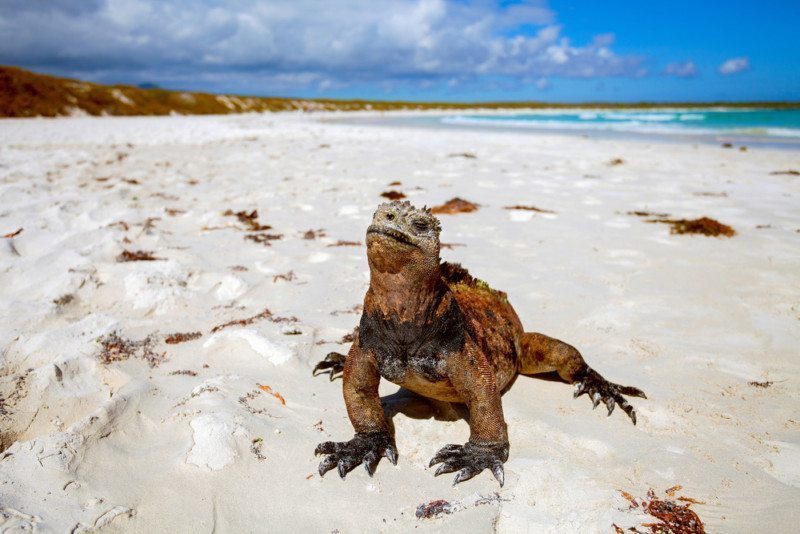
[[63, 300], [10, 236], [756, 384], [465, 155], [181, 337], [115, 348], [616, 161], [15, 233], [288, 276], [264, 315], [122, 225], [640, 213], [393, 195], [313, 234], [788, 172], [455, 205], [275, 394], [244, 400], [173, 212], [434, 509], [249, 219], [703, 226], [136, 255], [358, 308], [674, 518], [255, 448], [186, 372], [451, 246], [341, 243], [263, 238], [395, 183], [527, 208]]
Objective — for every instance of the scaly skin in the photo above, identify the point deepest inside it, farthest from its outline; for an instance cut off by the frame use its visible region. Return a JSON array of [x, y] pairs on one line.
[[433, 329]]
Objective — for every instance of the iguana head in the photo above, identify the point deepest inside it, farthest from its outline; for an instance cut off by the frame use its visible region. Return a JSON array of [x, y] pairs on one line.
[[402, 237]]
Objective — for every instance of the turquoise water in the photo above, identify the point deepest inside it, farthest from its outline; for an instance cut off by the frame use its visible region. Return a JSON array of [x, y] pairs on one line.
[[755, 124]]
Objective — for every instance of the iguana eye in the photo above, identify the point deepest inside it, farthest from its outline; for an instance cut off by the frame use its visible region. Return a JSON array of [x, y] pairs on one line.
[[420, 225]]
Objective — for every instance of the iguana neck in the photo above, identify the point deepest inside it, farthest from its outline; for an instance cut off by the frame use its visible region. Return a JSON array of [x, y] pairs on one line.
[[405, 297]]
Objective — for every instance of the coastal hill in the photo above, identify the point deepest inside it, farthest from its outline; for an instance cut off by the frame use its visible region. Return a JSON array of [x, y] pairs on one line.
[[28, 94]]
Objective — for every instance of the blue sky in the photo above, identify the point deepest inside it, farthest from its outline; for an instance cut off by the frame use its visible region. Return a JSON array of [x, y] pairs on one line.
[[454, 50]]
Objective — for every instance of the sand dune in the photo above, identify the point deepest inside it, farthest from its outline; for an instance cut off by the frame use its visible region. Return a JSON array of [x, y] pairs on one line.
[[104, 424]]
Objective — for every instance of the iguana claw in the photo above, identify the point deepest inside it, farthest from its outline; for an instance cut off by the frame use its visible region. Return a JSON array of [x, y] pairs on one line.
[[333, 364], [364, 448], [470, 459], [600, 389]]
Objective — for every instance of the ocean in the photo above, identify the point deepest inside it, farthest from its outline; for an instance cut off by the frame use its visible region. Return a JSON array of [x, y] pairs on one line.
[[781, 127]]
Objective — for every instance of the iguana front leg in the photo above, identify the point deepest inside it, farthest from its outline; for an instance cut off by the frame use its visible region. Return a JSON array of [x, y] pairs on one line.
[[473, 377], [372, 439]]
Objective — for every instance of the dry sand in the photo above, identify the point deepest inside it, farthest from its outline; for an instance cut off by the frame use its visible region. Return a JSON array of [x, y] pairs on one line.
[[194, 444]]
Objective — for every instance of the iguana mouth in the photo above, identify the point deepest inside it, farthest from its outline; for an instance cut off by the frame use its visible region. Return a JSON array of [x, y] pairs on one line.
[[394, 234]]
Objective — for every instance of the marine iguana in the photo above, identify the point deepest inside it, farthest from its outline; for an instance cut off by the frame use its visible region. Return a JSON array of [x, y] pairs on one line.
[[432, 328]]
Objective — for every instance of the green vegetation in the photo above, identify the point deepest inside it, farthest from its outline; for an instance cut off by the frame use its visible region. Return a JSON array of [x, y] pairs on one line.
[[28, 94]]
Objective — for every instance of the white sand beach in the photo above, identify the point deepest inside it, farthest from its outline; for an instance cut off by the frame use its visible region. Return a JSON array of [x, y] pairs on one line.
[[217, 433]]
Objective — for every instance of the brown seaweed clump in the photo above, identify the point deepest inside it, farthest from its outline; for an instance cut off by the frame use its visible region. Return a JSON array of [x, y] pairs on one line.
[[434, 509], [181, 337], [455, 205], [641, 213], [393, 195], [249, 219], [263, 238], [266, 314], [527, 208], [314, 234], [674, 518], [115, 348], [136, 255], [616, 161], [703, 226], [789, 172]]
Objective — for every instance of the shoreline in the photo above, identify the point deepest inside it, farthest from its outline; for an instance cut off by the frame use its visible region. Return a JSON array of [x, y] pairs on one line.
[[433, 120]]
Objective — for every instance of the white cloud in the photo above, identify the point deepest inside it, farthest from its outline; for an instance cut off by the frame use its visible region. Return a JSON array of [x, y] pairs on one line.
[[686, 69], [734, 65], [327, 44]]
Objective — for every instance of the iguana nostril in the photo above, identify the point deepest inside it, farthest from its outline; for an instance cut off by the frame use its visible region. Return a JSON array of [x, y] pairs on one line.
[[390, 216]]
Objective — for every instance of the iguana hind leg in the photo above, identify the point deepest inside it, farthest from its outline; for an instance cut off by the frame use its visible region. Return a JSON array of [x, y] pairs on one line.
[[543, 354]]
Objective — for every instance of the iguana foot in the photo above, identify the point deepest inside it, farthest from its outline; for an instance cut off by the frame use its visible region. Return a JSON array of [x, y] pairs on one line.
[[333, 364], [471, 459], [364, 448], [600, 389]]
